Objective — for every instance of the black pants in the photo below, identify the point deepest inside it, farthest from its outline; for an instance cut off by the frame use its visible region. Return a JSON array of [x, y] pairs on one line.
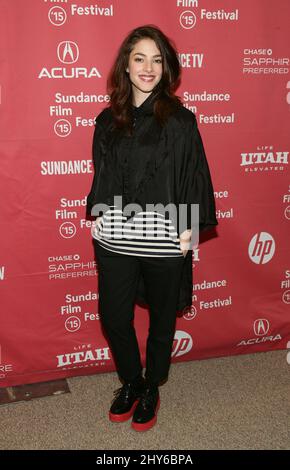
[[118, 279]]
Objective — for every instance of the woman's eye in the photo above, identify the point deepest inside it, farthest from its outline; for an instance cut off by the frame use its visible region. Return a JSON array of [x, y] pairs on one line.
[[137, 59]]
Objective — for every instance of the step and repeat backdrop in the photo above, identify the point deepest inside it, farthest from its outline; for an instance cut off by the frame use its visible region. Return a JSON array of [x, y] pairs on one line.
[[55, 58]]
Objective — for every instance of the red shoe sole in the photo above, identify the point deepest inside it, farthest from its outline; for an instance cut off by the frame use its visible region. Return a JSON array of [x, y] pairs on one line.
[[123, 417], [149, 424]]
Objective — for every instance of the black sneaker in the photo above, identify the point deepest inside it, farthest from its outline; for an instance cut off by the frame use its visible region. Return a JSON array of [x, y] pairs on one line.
[[145, 414], [126, 400]]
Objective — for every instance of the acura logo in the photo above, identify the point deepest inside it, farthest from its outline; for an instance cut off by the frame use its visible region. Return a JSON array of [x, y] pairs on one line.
[[261, 327], [68, 52]]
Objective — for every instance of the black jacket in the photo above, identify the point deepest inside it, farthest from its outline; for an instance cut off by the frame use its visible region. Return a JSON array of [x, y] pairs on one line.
[[168, 166]]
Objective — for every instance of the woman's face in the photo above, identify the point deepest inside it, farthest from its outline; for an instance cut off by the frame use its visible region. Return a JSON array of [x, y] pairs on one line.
[[145, 66]]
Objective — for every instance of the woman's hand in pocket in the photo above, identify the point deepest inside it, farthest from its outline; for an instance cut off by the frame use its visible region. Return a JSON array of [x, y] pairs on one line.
[[185, 239], [184, 246]]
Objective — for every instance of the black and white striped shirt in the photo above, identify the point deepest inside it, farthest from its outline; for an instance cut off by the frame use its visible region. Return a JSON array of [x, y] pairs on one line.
[[146, 234]]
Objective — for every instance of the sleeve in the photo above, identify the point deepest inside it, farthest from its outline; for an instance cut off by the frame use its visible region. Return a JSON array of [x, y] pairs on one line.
[[96, 152], [194, 181]]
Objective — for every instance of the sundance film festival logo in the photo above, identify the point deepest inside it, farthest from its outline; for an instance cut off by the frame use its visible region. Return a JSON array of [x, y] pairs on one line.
[[189, 313], [57, 15], [261, 248], [68, 54], [188, 18], [67, 230], [287, 213]]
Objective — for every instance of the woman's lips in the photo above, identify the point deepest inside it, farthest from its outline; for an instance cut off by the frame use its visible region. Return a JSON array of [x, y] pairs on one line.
[[147, 78]]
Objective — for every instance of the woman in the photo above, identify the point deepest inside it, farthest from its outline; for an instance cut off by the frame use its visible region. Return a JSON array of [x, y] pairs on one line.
[[147, 150]]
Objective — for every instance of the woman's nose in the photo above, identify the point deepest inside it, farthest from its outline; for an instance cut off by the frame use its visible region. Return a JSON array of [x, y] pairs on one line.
[[148, 67]]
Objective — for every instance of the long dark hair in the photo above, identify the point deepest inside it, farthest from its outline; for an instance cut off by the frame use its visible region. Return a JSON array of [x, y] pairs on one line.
[[119, 86]]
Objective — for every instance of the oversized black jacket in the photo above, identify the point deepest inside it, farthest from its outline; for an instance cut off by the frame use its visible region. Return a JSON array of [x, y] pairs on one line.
[[169, 165]]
